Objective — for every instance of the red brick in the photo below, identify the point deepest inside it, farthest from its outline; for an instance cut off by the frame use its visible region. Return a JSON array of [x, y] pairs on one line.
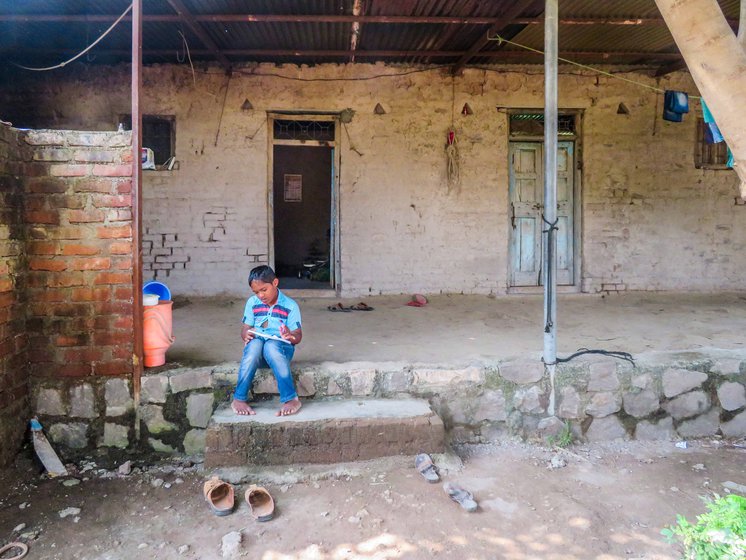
[[6, 285], [7, 299], [6, 347], [34, 170], [50, 295], [119, 215], [56, 309], [37, 354], [118, 367], [84, 216], [112, 278], [114, 232], [112, 308], [42, 217], [62, 232], [120, 248], [69, 170], [95, 185], [124, 170], [35, 202], [69, 340], [93, 263], [95, 156], [109, 338], [127, 157], [45, 185], [75, 201], [75, 370], [124, 187], [41, 248], [123, 293], [90, 294], [118, 201], [78, 249], [122, 264], [83, 355], [67, 280], [47, 264], [124, 323], [122, 353]]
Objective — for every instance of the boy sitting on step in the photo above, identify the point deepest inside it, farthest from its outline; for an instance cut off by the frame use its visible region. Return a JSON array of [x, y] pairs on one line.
[[271, 329]]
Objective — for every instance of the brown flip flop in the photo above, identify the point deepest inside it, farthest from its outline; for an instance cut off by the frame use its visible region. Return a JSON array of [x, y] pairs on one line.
[[219, 496], [260, 502]]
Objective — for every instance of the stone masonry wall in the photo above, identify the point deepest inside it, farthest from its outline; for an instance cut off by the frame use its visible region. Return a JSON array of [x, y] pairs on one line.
[[79, 312], [14, 405], [648, 220]]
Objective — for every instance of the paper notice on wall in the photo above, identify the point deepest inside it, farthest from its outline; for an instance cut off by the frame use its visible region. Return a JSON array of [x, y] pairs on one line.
[[293, 188]]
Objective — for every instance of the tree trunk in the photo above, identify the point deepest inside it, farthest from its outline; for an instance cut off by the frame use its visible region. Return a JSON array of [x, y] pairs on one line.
[[718, 66]]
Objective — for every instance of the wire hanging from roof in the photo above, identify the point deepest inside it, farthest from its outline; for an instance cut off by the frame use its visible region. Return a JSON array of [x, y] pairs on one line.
[[81, 53]]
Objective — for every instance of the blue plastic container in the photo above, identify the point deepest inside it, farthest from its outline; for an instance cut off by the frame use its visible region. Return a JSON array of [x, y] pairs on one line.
[[157, 288]]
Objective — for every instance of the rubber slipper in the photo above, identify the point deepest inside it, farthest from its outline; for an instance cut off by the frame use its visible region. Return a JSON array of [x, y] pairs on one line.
[[10, 546], [418, 300], [362, 306], [461, 496], [424, 464], [219, 496], [339, 307], [260, 502]]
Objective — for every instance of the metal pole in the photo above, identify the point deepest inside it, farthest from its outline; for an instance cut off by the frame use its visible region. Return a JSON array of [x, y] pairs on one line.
[[137, 199], [550, 190]]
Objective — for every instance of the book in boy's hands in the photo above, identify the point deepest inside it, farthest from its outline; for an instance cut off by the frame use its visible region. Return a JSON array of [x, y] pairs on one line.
[[269, 336]]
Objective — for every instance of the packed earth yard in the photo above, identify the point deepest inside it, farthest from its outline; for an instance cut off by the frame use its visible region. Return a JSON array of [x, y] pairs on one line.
[[602, 501]]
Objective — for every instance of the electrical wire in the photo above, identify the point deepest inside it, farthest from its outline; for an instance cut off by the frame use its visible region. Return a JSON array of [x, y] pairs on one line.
[[77, 56], [611, 353], [501, 40]]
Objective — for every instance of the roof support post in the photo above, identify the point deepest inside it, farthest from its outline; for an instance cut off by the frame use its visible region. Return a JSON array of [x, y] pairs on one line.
[[137, 196], [550, 191]]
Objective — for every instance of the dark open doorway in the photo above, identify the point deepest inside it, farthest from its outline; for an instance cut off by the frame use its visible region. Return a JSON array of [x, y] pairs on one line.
[[302, 216]]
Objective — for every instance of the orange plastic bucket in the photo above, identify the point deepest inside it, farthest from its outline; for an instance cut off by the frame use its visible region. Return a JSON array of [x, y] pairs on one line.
[[157, 333]]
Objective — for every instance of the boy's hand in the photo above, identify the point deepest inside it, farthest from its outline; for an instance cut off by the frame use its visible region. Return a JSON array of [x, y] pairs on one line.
[[246, 334], [291, 336]]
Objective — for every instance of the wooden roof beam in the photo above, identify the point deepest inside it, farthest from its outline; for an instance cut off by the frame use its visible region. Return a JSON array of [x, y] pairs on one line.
[[187, 17], [674, 66]]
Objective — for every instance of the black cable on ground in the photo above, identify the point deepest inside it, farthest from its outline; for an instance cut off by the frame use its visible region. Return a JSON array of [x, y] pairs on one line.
[[611, 353]]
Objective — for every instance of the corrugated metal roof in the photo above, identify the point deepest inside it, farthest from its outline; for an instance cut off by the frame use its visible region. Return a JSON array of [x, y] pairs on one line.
[[31, 37]]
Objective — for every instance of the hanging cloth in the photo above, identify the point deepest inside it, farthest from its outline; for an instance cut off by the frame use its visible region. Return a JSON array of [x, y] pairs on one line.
[[712, 132], [675, 104]]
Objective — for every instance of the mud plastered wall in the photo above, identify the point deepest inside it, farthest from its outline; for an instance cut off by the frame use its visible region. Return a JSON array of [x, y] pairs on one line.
[[649, 220]]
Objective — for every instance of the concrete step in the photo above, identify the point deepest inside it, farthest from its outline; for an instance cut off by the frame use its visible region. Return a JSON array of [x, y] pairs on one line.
[[325, 431]]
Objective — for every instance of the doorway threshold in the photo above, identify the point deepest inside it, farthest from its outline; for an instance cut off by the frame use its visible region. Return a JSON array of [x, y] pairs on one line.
[[310, 292]]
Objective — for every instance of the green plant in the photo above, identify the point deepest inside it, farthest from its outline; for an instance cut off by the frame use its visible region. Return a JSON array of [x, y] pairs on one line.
[[719, 534], [562, 439]]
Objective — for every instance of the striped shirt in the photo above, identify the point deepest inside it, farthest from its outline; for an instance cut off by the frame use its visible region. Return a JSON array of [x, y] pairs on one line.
[[284, 312]]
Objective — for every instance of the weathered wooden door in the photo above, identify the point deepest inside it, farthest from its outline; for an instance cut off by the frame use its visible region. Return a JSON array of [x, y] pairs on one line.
[[526, 161]]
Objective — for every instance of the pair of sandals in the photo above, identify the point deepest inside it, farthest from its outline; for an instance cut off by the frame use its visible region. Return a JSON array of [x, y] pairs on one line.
[[424, 464], [362, 306], [220, 497]]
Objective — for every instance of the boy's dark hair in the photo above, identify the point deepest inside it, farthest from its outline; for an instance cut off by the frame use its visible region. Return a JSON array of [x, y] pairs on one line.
[[262, 273]]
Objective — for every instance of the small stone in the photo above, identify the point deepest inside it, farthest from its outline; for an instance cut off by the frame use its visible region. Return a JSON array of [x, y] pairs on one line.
[[24, 505], [183, 549], [179, 481], [31, 535], [125, 468], [69, 511], [19, 528], [353, 519], [284, 488], [324, 514], [557, 462], [231, 544], [142, 545], [698, 467], [156, 483], [71, 482], [167, 485]]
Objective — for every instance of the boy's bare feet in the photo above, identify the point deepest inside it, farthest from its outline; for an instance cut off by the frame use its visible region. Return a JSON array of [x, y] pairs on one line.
[[241, 408], [290, 407]]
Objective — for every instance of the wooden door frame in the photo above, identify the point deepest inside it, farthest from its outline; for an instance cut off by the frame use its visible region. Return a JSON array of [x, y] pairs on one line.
[[577, 139], [335, 258]]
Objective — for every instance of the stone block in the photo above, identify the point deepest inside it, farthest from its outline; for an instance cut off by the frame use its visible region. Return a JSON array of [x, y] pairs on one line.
[[49, 401], [701, 426], [678, 381], [395, 381], [82, 401], [460, 410], [603, 377], [605, 429], [116, 435], [190, 379], [522, 372], [735, 427], [194, 442], [688, 405], [152, 415], [662, 430], [118, 399], [153, 389], [199, 409], [160, 447], [529, 400], [732, 395], [362, 381], [643, 381], [333, 388], [641, 404], [265, 383], [304, 385], [72, 435], [551, 426], [727, 366], [569, 406], [603, 404], [491, 406], [445, 377]]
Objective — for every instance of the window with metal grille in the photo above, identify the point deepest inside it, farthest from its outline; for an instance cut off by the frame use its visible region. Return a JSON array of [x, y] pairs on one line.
[[322, 131], [709, 156], [532, 124], [157, 134]]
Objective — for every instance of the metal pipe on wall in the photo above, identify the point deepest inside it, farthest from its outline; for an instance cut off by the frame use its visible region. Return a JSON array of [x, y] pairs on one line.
[[550, 190]]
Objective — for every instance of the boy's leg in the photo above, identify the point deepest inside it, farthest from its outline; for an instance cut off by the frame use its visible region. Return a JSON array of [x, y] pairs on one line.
[[278, 356], [250, 361]]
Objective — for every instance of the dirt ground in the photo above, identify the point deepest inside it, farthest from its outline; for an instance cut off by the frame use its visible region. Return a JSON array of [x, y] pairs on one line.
[[455, 330], [607, 502]]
